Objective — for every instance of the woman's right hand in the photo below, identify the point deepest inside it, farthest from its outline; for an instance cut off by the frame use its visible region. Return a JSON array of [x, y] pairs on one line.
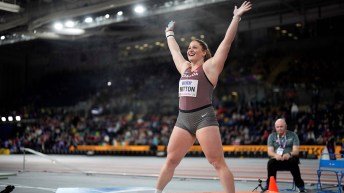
[[170, 26]]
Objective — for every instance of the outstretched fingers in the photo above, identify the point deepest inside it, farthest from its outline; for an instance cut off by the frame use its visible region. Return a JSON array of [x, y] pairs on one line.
[[170, 26], [246, 6]]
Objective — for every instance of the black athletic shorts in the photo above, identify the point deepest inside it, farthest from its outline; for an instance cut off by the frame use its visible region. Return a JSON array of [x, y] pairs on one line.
[[194, 120]]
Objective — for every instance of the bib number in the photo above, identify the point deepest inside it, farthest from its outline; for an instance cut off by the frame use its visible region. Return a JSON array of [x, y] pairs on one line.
[[188, 88]]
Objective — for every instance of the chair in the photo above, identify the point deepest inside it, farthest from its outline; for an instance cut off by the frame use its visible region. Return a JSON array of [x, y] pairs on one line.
[[293, 188], [331, 163]]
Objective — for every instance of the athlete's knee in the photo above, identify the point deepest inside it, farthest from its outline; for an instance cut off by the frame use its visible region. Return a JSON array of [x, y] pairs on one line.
[[173, 161], [217, 163]]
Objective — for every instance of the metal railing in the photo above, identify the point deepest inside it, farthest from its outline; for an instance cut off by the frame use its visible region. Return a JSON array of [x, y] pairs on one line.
[[53, 160]]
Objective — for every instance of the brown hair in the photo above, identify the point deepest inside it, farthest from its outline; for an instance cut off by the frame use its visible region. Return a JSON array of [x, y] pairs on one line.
[[204, 47]]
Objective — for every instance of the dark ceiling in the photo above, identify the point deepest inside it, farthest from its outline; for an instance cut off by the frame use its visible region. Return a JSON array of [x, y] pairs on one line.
[[36, 18], [111, 41]]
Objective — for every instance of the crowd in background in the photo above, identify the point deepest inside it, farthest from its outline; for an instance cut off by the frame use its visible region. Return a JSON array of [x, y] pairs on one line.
[[141, 105], [60, 129], [57, 129]]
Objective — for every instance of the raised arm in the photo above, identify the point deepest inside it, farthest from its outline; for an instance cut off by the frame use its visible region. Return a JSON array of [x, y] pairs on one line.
[[215, 65], [177, 56]]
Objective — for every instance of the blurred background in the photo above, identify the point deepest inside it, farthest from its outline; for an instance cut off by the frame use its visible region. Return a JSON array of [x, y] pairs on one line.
[[96, 72]]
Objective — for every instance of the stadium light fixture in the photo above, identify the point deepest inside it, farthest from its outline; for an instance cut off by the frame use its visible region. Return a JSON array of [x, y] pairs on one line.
[[10, 118], [9, 7], [139, 9], [18, 118]]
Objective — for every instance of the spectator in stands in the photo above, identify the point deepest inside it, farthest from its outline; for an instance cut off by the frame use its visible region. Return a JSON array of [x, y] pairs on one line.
[[283, 150], [294, 111], [197, 119], [331, 148]]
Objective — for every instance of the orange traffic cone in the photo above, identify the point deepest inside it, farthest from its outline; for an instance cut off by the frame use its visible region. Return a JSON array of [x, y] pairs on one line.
[[273, 185]]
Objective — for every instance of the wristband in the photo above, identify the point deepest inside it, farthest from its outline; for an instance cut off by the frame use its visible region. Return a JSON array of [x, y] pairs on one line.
[[169, 33], [237, 17]]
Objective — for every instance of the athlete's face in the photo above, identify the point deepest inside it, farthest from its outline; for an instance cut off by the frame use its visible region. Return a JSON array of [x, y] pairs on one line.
[[195, 51], [281, 127]]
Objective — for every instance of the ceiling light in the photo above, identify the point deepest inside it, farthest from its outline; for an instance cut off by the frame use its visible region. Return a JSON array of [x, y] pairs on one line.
[[139, 9], [58, 26], [9, 7], [70, 31], [70, 23], [89, 20]]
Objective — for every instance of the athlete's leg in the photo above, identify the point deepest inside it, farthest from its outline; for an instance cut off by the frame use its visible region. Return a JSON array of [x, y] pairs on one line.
[[179, 144], [210, 140]]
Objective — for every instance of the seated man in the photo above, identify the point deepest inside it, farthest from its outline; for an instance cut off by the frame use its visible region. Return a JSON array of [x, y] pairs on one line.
[[283, 150]]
